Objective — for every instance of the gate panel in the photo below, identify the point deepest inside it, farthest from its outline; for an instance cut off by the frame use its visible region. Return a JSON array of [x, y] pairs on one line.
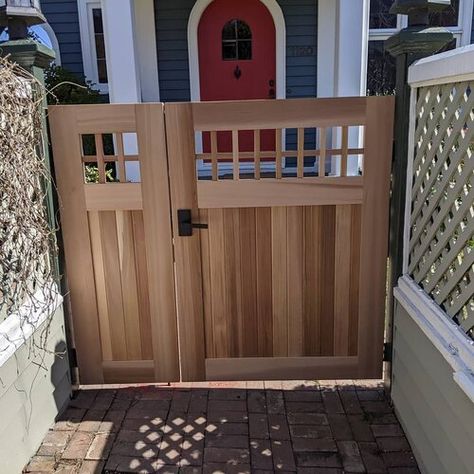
[[291, 269], [275, 295], [118, 241]]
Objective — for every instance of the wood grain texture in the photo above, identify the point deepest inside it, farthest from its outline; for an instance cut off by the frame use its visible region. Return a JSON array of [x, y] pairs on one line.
[[189, 294], [342, 280], [271, 286], [287, 281], [158, 239], [281, 368], [113, 196], [273, 114], [75, 228], [271, 192], [374, 245]]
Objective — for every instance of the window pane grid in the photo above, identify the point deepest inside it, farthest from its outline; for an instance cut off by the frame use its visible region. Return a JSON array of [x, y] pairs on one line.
[[236, 41]]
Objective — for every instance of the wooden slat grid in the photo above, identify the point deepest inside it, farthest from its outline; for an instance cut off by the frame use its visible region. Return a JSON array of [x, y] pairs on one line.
[[441, 247], [111, 166], [276, 154]]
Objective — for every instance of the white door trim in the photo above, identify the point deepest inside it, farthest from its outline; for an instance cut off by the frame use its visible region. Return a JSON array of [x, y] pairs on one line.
[[193, 50]]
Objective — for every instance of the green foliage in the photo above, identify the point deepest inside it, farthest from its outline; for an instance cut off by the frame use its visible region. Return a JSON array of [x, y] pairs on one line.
[[66, 87], [92, 174]]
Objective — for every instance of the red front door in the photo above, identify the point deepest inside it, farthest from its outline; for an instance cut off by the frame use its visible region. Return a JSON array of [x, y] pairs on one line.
[[237, 59]]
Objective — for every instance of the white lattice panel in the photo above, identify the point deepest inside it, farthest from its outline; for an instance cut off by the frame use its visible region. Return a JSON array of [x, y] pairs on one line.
[[441, 257]]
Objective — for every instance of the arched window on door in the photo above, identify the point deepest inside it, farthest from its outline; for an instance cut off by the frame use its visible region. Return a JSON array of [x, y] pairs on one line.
[[236, 41]]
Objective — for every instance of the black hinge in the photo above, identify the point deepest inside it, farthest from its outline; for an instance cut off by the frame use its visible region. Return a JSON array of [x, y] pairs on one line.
[[73, 357], [387, 352]]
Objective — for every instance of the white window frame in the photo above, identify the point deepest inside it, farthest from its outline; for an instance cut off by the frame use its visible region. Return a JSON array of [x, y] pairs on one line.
[[89, 53], [461, 32]]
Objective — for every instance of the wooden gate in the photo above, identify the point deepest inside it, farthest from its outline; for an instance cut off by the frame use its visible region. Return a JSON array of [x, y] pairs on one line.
[[286, 281], [117, 240]]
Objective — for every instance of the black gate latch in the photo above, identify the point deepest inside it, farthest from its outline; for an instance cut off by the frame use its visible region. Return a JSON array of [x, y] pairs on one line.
[[185, 224]]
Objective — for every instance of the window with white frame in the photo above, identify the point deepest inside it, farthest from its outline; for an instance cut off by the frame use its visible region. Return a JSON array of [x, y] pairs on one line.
[[93, 43], [382, 24]]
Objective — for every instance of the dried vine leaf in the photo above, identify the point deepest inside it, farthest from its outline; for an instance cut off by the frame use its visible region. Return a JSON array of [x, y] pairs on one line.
[[27, 241]]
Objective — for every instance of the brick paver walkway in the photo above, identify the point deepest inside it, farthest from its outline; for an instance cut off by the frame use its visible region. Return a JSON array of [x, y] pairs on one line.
[[258, 427]]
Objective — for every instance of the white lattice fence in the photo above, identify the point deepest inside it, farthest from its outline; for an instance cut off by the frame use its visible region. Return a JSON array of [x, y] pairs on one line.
[[441, 246]]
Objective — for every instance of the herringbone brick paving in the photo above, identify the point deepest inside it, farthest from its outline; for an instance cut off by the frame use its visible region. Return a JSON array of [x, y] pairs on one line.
[[246, 427]]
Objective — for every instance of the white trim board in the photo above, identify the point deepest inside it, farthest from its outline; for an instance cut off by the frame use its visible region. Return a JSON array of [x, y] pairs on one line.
[[452, 66], [89, 59], [456, 348], [193, 49], [19, 327]]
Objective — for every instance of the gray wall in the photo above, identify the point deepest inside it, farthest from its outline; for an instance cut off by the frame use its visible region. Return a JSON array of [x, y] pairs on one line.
[[63, 17], [437, 416], [172, 47], [34, 386]]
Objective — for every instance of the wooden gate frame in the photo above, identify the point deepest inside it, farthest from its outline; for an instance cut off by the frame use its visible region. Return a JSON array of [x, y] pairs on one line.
[[68, 123], [168, 172], [376, 114]]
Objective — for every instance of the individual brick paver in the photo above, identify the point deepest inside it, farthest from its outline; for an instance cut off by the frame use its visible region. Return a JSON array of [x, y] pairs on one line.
[[329, 427]]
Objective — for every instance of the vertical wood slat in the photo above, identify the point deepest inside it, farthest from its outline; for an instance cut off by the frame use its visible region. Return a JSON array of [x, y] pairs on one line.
[[219, 307], [248, 282], [264, 281], [183, 187], [232, 280], [355, 242], [75, 228], [312, 280], [214, 164], [128, 276], [327, 274], [99, 152], [342, 280], [279, 281], [235, 155], [322, 152], [300, 154], [113, 284], [345, 148], [278, 154], [374, 245], [122, 175], [142, 284], [257, 150], [158, 238], [207, 285], [100, 286], [295, 281]]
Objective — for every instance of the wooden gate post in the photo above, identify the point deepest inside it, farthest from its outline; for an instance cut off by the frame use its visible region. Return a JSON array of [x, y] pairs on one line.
[[182, 172], [410, 44]]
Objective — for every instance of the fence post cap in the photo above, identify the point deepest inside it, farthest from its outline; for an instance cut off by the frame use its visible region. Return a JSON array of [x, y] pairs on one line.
[[418, 40]]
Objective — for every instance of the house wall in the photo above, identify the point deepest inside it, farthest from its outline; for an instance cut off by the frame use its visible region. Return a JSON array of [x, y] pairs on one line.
[[34, 386], [435, 412], [172, 47], [64, 20]]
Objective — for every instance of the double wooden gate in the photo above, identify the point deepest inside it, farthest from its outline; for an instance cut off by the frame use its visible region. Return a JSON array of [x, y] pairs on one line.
[[285, 279]]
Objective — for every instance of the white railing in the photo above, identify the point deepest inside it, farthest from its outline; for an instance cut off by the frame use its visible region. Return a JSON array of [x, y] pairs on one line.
[[438, 282]]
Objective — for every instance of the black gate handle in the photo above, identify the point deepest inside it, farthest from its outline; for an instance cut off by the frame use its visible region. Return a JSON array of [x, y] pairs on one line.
[[185, 224]]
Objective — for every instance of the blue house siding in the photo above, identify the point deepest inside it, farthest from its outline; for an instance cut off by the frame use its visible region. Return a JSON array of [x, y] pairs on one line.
[[63, 17], [172, 47]]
